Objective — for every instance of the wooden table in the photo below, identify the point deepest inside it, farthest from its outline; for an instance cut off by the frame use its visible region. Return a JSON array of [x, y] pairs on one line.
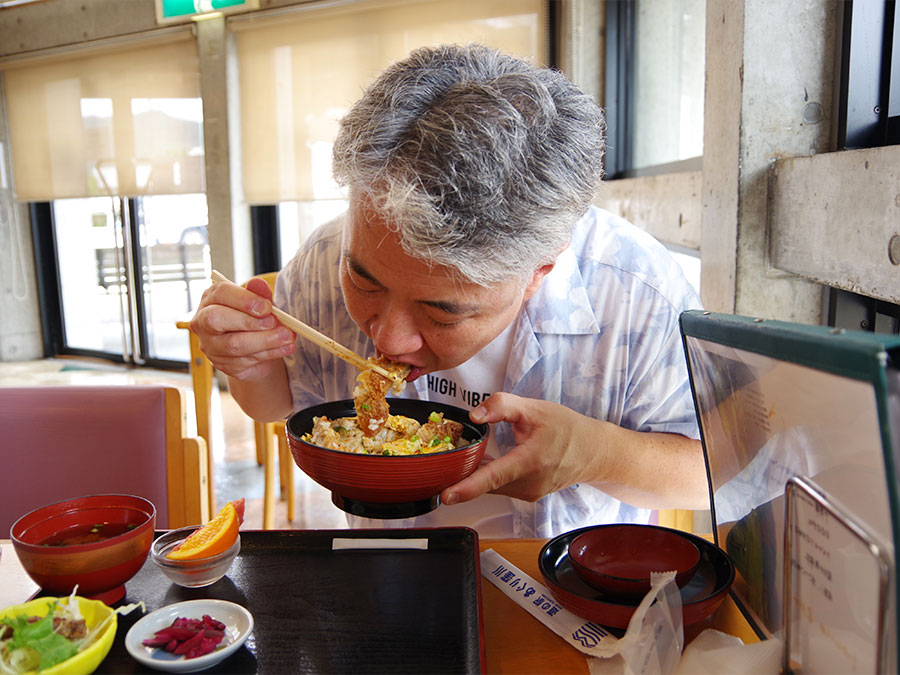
[[15, 586], [515, 642]]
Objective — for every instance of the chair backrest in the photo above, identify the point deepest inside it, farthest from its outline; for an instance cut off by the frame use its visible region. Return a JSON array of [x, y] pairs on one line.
[[269, 278], [67, 441]]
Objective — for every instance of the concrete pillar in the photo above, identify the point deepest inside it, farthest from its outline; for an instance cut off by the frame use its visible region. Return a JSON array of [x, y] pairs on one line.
[[231, 248], [766, 61]]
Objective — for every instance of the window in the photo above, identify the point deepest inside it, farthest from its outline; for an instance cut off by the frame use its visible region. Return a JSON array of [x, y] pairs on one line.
[[107, 145], [290, 104], [297, 220], [869, 75], [655, 59], [101, 245]]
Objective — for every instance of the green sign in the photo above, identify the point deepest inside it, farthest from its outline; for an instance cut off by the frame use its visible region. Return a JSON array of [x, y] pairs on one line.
[[182, 8]]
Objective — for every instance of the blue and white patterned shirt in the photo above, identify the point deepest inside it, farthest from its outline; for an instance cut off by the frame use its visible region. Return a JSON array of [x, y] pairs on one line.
[[600, 336]]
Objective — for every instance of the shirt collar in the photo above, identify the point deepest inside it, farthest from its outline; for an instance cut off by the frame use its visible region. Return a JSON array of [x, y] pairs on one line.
[[561, 304]]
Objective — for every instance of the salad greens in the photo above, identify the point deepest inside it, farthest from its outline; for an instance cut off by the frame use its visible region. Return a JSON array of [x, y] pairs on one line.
[[35, 645]]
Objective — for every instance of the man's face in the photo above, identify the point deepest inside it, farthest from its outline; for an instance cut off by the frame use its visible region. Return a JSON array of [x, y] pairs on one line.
[[415, 313]]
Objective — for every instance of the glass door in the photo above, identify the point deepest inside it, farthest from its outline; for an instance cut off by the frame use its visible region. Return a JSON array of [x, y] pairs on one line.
[[91, 261], [175, 268], [129, 270]]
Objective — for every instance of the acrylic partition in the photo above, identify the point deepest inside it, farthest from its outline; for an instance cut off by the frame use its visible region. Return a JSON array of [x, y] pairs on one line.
[[784, 407]]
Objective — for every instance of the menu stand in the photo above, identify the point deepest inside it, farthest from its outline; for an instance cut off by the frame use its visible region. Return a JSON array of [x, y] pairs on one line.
[[836, 582]]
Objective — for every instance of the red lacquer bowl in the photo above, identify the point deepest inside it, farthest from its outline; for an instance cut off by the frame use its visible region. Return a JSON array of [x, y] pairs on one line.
[[700, 596], [619, 558], [43, 540], [377, 486]]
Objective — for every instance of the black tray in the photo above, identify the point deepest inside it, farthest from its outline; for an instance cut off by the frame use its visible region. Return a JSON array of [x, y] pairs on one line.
[[316, 610]]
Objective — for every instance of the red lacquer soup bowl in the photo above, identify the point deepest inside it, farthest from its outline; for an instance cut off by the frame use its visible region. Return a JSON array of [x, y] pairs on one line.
[[377, 486], [96, 542]]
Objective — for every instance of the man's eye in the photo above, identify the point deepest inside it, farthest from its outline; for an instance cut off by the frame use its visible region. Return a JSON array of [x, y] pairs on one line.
[[444, 324], [360, 287], [361, 283]]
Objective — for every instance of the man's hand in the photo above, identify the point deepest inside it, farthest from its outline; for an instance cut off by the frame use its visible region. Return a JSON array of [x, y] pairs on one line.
[[238, 332], [557, 447], [242, 338]]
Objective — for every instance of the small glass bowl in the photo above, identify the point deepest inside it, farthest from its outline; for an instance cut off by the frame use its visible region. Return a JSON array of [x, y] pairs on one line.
[[191, 573]]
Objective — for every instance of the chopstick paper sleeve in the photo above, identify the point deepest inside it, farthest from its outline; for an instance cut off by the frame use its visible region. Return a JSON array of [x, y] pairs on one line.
[[586, 636]]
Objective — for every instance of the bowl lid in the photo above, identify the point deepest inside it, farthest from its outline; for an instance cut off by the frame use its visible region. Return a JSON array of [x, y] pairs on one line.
[[700, 596], [629, 553]]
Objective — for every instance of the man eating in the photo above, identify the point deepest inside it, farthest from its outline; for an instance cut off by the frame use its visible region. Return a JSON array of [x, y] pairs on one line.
[[471, 252]]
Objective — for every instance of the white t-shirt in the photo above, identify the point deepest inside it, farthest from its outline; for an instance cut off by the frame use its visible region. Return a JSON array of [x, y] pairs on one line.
[[466, 386]]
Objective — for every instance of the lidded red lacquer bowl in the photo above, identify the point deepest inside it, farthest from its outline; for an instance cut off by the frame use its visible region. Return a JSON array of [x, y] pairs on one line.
[[377, 486], [96, 542], [701, 594]]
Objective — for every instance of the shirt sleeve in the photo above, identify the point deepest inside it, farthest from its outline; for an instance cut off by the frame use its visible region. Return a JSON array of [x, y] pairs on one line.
[[308, 288]]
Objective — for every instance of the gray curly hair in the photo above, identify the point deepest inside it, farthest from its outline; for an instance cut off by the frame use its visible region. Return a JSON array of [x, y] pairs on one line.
[[480, 161]]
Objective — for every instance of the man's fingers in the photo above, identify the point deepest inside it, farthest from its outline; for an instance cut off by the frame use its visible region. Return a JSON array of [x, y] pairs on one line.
[[253, 366], [255, 300], [499, 407], [236, 362], [486, 478], [254, 343], [221, 319], [260, 287]]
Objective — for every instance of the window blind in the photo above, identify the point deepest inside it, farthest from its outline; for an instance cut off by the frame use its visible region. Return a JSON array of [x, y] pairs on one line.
[[123, 120], [300, 73]]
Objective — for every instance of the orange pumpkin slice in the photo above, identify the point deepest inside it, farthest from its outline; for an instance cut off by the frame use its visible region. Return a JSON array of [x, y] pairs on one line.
[[216, 536]]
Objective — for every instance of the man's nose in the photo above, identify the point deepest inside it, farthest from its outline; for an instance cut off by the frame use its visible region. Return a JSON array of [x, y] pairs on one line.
[[394, 333]]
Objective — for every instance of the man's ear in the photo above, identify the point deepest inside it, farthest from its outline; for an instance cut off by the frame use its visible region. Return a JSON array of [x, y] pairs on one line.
[[536, 279]]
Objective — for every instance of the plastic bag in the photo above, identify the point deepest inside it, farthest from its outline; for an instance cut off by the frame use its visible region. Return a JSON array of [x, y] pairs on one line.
[[654, 639]]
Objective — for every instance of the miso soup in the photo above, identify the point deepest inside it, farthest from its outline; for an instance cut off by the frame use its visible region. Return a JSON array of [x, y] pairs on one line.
[[87, 534]]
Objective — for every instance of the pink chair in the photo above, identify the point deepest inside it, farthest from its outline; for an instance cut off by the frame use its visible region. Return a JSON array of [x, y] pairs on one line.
[[67, 441]]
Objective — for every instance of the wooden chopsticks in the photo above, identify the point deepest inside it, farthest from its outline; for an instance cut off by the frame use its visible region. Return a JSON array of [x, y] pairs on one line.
[[315, 336]]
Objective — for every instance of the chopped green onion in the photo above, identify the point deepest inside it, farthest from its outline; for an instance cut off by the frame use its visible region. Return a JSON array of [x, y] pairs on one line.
[[434, 417], [364, 406], [385, 452], [446, 439]]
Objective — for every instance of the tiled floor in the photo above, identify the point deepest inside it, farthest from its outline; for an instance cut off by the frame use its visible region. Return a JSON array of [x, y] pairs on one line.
[[237, 473]]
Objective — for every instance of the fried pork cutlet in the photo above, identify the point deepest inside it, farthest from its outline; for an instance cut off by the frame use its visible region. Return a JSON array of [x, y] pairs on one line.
[[370, 394], [438, 430]]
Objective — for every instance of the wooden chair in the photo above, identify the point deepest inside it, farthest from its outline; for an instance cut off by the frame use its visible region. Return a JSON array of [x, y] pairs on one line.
[[202, 384], [677, 519], [269, 437], [69, 441]]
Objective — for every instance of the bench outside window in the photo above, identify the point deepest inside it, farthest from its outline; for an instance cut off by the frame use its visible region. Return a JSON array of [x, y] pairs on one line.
[[162, 263]]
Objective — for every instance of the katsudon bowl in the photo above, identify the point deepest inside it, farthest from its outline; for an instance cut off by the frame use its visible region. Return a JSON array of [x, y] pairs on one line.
[[380, 486]]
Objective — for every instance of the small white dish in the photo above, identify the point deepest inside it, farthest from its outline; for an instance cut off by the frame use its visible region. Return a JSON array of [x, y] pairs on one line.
[[238, 624]]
